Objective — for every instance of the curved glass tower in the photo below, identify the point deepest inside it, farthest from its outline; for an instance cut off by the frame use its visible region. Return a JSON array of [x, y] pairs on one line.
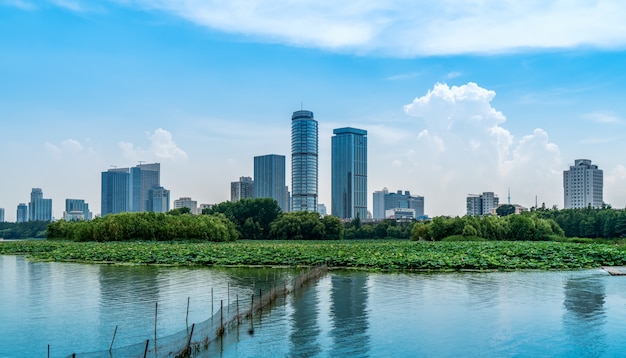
[[304, 161]]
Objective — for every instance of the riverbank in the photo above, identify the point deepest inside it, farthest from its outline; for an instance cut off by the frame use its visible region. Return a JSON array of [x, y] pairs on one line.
[[368, 255]]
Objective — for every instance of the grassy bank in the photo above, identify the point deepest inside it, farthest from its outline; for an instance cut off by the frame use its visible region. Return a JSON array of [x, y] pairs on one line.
[[370, 255]]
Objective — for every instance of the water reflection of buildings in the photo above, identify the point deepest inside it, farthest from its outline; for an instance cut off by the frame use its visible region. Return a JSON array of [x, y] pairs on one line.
[[304, 336], [349, 331], [585, 314]]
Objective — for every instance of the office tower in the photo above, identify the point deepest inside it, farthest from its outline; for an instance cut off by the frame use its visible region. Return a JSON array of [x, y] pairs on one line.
[[186, 203], [304, 161], [349, 173], [76, 209], [115, 191], [126, 189], [242, 189], [143, 178], [582, 185], [158, 200], [482, 204], [269, 179], [1, 215], [39, 209], [22, 213], [384, 201]]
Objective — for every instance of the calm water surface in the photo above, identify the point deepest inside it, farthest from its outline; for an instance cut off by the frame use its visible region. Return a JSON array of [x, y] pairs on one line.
[[75, 308]]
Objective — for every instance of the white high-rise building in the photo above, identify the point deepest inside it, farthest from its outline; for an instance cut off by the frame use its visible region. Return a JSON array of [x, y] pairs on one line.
[[481, 204], [582, 185]]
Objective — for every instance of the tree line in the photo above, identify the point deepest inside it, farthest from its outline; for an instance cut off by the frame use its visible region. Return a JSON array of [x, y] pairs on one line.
[[262, 219], [25, 230]]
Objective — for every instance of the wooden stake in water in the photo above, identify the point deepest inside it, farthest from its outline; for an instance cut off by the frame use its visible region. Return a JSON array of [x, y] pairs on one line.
[[187, 315], [228, 295], [145, 351], [156, 309], [188, 349], [113, 339], [211, 301]]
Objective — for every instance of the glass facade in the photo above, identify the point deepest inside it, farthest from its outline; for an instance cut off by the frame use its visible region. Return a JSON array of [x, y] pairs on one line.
[[39, 209], [349, 173], [22, 213], [269, 179], [304, 161], [115, 191]]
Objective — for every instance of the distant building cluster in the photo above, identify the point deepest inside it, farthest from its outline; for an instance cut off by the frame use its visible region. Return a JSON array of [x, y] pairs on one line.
[[138, 188], [397, 205]]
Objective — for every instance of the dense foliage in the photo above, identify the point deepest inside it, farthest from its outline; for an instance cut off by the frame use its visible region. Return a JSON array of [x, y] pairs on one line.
[[304, 225], [510, 227], [588, 222], [145, 226], [371, 255], [26, 230], [252, 217]]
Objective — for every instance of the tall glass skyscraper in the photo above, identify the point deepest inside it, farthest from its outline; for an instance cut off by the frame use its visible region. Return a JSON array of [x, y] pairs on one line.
[[115, 191], [269, 179], [39, 209], [349, 173], [126, 189], [304, 161], [22, 213]]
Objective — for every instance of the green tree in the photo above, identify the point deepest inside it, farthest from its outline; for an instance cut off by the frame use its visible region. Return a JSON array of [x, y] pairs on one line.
[[252, 217], [506, 209], [333, 227], [299, 225]]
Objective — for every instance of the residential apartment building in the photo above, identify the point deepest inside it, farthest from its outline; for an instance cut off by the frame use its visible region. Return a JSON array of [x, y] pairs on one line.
[[242, 189], [481, 204], [583, 185]]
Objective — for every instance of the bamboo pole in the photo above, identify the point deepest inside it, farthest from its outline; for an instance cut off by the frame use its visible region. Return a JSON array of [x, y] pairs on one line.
[[113, 339]]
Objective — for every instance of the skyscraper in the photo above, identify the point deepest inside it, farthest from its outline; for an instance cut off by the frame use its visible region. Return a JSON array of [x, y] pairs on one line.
[[269, 179], [22, 213], [39, 209], [349, 173], [143, 178], [115, 191], [242, 189], [1, 215], [582, 185], [304, 161], [126, 189]]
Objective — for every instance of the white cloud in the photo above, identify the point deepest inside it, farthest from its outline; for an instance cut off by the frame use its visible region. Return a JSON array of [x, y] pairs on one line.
[[162, 147], [463, 148], [72, 145], [408, 28]]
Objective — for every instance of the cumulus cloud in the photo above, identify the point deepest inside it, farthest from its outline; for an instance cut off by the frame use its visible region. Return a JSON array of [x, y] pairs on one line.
[[463, 147], [162, 147], [407, 28], [65, 148]]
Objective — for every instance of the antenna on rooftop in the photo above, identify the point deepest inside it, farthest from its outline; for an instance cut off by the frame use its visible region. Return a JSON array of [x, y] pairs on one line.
[[141, 162], [509, 198], [301, 106], [114, 166]]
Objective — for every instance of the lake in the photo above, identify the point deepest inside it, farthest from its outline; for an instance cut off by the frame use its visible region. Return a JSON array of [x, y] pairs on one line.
[[76, 307]]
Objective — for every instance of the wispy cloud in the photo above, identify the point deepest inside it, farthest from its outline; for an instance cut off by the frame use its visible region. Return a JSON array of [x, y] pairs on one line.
[[403, 76], [20, 4], [404, 28], [603, 117], [454, 74]]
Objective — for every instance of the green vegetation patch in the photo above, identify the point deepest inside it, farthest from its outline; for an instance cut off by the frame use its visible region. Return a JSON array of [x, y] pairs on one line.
[[370, 255]]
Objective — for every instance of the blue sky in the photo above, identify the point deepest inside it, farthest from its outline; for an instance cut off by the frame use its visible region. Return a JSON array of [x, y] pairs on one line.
[[458, 97]]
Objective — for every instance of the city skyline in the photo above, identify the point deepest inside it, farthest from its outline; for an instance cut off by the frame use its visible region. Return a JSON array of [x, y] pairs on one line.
[[451, 105]]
